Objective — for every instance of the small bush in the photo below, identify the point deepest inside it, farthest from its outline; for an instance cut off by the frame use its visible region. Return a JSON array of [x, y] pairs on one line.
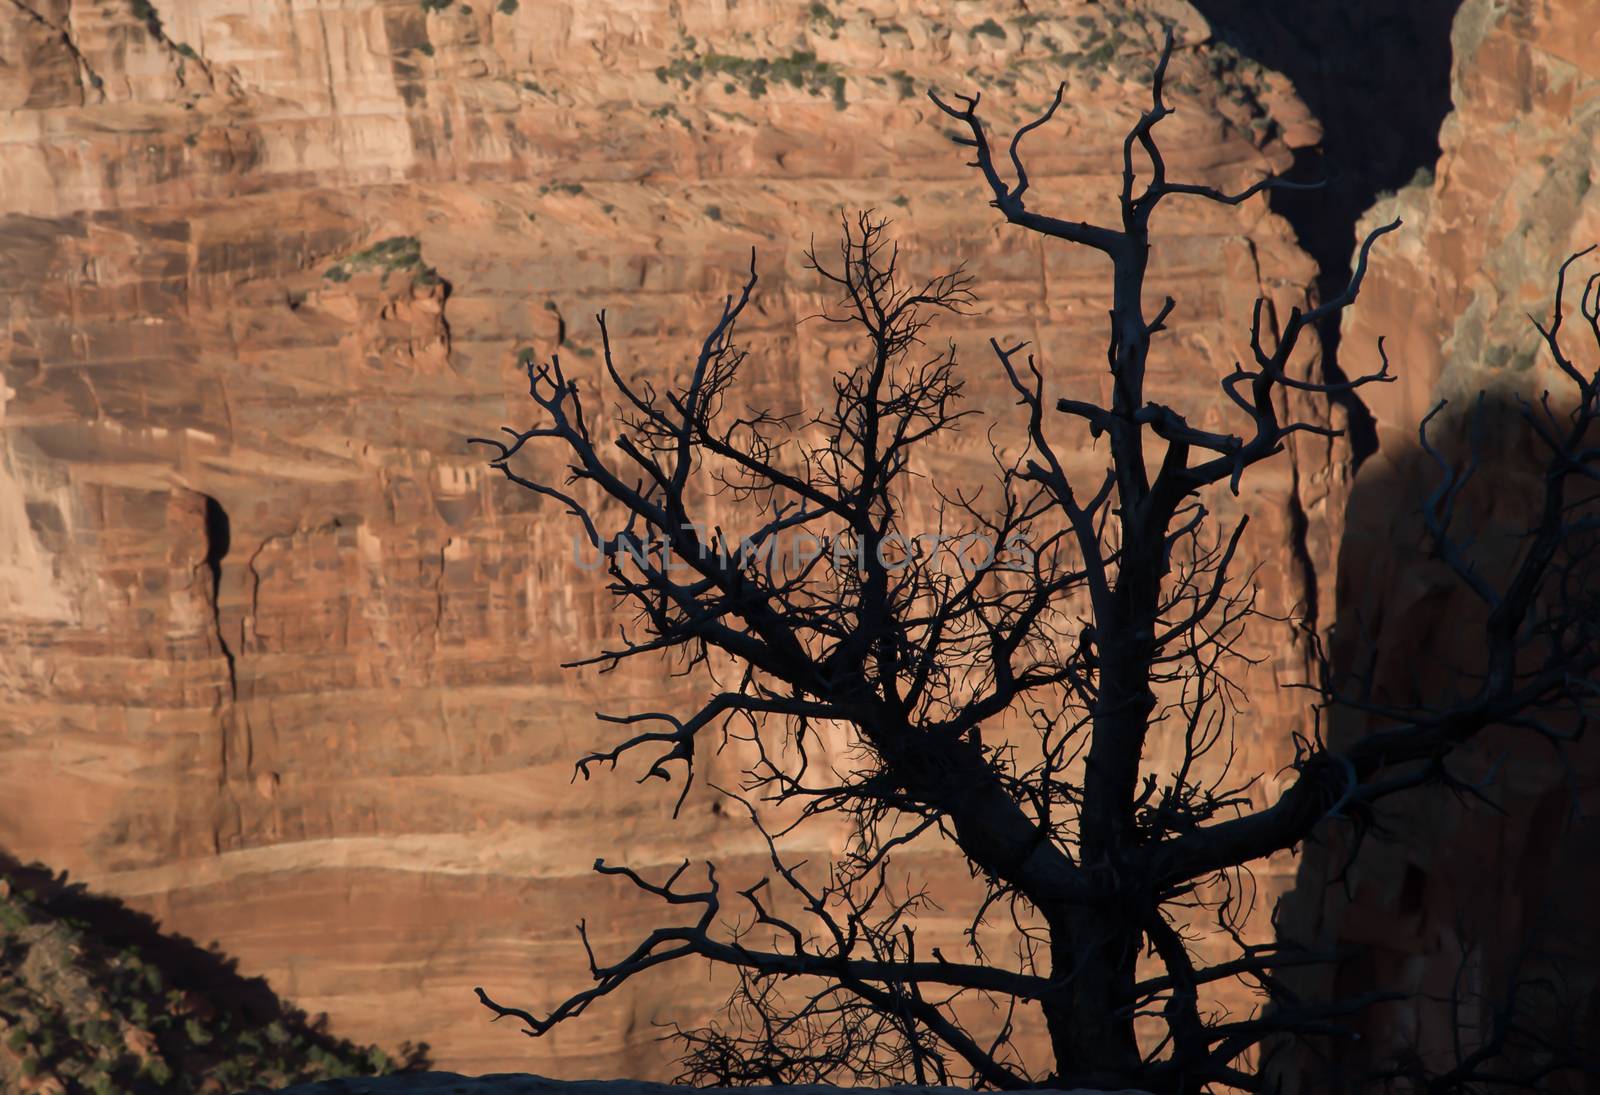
[[156, 1070], [821, 13]]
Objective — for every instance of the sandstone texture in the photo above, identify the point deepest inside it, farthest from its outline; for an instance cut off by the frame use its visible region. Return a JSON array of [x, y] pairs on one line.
[[282, 660]]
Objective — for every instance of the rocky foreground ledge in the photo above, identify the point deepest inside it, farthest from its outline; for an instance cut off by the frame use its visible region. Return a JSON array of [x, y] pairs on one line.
[[521, 1083]]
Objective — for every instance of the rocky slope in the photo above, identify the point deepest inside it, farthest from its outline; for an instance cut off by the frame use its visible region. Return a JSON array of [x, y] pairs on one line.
[[94, 999], [282, 662]]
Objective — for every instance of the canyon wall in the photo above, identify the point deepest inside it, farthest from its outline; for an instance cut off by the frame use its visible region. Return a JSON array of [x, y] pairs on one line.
[[282, 658]]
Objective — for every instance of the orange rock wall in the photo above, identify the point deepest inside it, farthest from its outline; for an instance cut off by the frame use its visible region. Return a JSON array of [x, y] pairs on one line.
[[281, 659]]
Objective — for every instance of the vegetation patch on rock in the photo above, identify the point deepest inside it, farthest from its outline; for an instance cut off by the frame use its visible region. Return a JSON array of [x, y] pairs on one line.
[[387, 255], [756, 75], [95, 999]]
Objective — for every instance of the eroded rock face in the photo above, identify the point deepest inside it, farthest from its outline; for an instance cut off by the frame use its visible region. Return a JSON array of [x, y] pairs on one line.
[[282, 660], [1466, 894], [1513, 194]]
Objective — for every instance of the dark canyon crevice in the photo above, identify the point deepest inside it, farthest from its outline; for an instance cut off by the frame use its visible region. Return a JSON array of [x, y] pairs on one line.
[[1377, 76], [219, 536]]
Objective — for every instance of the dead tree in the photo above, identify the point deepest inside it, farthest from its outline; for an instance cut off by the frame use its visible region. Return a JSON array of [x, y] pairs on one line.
[[1084, 613]]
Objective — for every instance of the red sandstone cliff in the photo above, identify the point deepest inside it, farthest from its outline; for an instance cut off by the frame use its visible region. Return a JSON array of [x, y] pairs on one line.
[[281, 661]]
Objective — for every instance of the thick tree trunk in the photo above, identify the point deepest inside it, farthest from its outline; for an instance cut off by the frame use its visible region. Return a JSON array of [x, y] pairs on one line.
[[1092, 1034], [1090, 1023]]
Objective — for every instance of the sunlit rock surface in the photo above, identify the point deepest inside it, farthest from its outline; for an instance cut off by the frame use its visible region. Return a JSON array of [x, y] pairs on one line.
[[281, 658]]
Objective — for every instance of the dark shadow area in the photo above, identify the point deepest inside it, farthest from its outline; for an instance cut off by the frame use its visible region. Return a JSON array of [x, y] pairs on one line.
[[219, 538], [1473, 904], [1377, 75], [96, 994]]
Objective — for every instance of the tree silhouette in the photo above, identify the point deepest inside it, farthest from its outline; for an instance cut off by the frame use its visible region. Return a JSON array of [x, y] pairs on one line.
[[1089, 612]]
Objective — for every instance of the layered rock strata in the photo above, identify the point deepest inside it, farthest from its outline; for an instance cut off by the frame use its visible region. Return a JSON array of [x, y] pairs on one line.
[[282, 659]]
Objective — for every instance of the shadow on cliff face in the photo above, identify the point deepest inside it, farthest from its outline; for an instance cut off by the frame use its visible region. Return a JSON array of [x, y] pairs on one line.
[[1478, 906], [94, 994], [1377, 75]]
